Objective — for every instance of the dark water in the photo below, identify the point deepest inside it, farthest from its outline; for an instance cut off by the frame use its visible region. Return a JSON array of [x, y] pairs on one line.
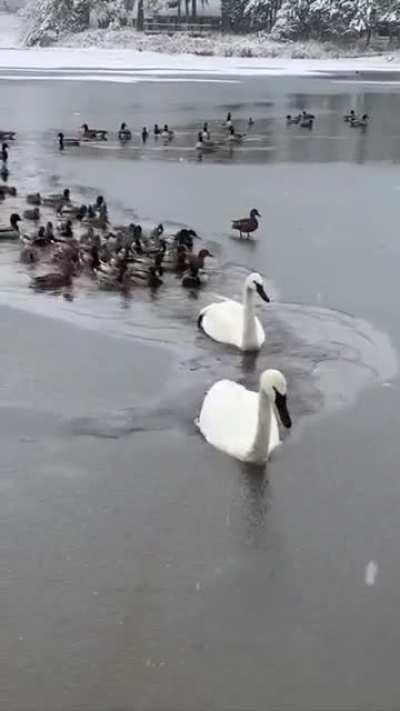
[[142, 568]]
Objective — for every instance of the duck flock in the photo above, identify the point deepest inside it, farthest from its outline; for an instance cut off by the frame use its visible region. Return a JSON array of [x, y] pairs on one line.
[[78, 239]]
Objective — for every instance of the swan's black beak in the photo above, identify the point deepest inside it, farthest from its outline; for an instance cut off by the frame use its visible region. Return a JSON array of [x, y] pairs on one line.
[[261, 292], [281, 406]]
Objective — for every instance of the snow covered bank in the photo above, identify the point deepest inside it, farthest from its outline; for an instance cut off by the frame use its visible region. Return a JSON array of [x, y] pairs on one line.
[[122, 65]]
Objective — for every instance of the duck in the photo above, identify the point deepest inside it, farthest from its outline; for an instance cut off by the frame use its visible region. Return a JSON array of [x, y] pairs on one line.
[[156, 233], [34, 199], [55, 280], [156, 130], [33, 214], [205, 133], [350, 116], [204, 145], [57, 199], [145, 134], [194, 280], [228, 120], [7, 190], [65, 229], [93, 134], [247, 225], [360, 122], [11, 232], [7, 135], [250, 122], [234, 137], [185, 237], [45, 236], [4, 152], [293, 120], [69, 142], [307, 123], [306, 116], [124, 133], [196, 262], [234, 323], [243, 423], [167, 134], [75, 212], [29, 255]]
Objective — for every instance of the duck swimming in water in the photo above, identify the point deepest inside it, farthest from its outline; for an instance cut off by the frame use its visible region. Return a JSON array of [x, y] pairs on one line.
[[93, 134], [11, 232], [293, 120], [145, 134], [7, 135], [247, 225], [124, 133], [360, 123], [55, 280], [34, 199], [70, 142], [33, 214], [4, 152], [185, 237]]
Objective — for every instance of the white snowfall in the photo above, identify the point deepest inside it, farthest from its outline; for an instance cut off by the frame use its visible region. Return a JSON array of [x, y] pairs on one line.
[[125, 64]]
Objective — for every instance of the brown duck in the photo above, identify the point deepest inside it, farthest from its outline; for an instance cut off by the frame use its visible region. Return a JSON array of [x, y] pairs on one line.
[[55, 280], [246, 225]]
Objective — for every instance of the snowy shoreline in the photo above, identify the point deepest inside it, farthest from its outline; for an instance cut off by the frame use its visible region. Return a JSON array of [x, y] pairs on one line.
[[124, 65]]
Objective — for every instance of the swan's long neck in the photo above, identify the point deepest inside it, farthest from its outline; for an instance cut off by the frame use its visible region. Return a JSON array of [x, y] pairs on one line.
[[249, 334], [260, 447]]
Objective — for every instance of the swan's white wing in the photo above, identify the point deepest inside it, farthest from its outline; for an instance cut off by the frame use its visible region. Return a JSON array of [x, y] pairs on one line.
[[228, 418], [274, 437], [223, 322]]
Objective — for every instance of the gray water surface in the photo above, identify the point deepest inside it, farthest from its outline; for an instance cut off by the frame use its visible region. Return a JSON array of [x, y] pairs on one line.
[[142, 568]]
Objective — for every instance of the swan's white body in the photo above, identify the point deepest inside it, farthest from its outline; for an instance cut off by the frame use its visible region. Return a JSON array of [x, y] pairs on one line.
[[234, 323], [243, 423]]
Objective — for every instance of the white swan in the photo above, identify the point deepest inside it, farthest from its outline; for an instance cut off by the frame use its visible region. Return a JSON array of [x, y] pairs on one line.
[[234, 323], [243, 423]]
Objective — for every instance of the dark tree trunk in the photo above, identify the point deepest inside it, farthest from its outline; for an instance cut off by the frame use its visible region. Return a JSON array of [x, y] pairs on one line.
[[194, 9], [140, 16]]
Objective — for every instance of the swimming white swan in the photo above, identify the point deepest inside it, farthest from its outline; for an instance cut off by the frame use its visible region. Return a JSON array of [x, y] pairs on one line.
[[243, 423], [234, 323]]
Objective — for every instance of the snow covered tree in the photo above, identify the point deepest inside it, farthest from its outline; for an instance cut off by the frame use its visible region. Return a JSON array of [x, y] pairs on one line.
[[365, 18], [262, 13]]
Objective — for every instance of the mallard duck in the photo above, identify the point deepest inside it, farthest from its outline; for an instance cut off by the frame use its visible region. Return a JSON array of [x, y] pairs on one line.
[[29, 255], [196, 262], [69, 142], [7, 190], [250, 122], [34, 199], [293, 120], [246, 225], [93, 134], [45, 236], [194, 280], [156, 130], [167, 134], [32, 214], [360, 123], [156, 233], [145, 134], [124, 133], [65, 229], [11, 232], [350, 116], [4, 152], [306, 116], [7, 135], [74, 212], [57, 199], [55, 280], [185, 237], [307, 123], [204, 145]]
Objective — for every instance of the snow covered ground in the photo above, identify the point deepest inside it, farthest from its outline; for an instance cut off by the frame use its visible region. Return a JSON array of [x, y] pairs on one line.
[[124, 65]]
